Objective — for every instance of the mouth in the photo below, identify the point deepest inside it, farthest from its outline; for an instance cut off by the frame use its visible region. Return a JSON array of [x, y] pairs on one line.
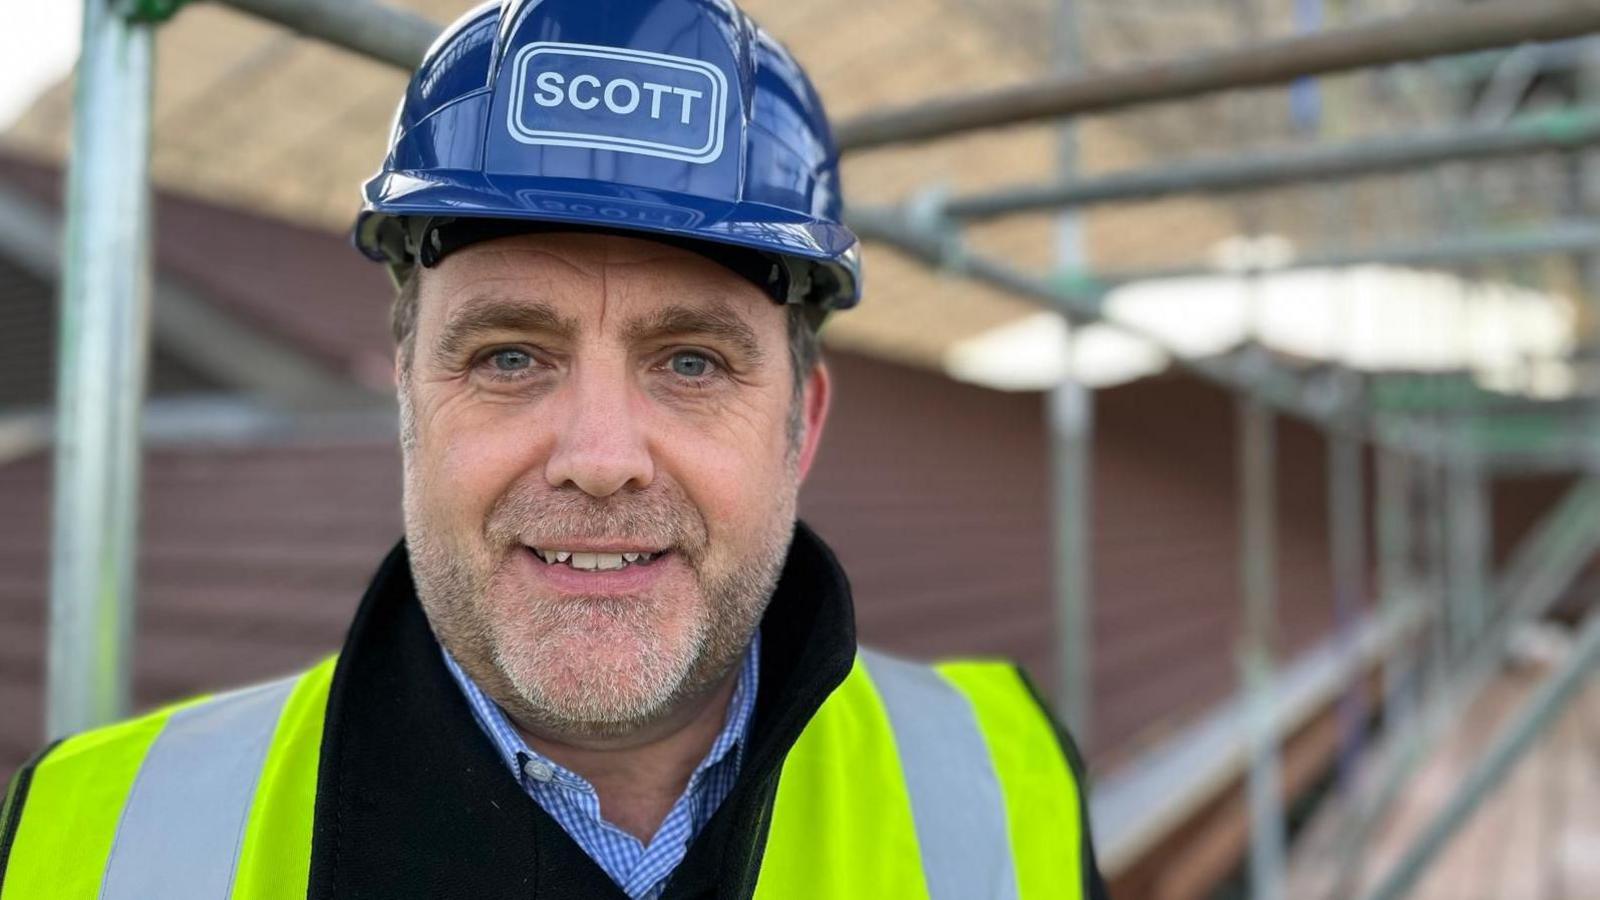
[[596, 560]]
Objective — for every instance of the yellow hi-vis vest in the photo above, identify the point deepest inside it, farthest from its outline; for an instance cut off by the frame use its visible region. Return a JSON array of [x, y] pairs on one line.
[[943, 782]]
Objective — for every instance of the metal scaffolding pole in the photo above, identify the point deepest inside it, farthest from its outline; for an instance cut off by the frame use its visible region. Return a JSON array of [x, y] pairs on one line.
[[1436, 571], [1397, 577], [374, 30], [1510, 743], [1071, 436], [1082, 297], [1071, 429], [1258, 551], [1467, 523], [105, 313], [1459, 251], [1565, 130], [1544, 564], [1455, 29], [1550, 558], [1466, 250], [399, 38], [1347, 537]]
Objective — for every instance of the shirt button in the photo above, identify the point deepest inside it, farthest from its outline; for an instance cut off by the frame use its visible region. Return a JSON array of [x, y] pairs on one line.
[[538, 770]]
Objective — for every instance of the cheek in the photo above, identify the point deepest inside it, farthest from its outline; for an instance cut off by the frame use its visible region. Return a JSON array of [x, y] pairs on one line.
[[736, 477], [468, 459]]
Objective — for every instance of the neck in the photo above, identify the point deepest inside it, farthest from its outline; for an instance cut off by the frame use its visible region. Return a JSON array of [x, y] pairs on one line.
[[640, 776]]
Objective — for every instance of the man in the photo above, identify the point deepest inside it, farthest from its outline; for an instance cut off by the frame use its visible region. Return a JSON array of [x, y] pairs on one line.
[[605, 661]]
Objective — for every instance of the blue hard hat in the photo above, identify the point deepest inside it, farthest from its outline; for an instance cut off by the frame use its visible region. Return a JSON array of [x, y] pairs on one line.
[[678, 119]]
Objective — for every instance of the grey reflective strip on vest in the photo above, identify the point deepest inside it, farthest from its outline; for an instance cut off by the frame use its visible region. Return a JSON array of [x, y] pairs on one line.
[[956, 801], [184, 820]]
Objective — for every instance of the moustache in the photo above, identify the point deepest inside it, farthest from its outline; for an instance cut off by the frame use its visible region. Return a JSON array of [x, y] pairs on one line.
[[660, 518]]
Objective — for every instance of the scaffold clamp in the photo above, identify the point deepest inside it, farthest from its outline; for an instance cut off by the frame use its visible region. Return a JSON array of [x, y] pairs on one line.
[[152, 12]]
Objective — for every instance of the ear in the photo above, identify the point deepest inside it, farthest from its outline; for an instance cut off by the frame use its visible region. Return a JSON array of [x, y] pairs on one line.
[[818, 394]]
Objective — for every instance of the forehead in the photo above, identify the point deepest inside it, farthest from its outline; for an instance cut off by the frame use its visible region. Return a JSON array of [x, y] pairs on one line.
[[589, 278]]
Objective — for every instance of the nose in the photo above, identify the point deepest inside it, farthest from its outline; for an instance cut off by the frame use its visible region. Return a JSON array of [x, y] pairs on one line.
[[600, 444]]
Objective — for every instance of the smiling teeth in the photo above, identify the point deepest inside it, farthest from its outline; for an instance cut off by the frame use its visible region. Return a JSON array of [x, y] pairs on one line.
[[594, 562]]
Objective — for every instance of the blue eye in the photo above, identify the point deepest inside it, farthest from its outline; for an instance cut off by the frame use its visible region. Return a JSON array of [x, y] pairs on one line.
[[510, 360], [690, 365]]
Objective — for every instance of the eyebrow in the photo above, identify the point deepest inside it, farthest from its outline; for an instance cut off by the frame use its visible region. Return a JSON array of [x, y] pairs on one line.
[[493, 315], [716, 322]]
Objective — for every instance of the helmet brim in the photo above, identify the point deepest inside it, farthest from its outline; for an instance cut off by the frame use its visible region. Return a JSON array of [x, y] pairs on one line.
[[396, 195]]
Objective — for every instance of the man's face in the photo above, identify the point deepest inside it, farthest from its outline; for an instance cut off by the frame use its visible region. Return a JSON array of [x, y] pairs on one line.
[[574, 400]]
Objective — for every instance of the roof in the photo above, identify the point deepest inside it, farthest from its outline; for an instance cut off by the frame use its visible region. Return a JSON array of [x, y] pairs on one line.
[[244, 115], [297, 286], [29, 322]]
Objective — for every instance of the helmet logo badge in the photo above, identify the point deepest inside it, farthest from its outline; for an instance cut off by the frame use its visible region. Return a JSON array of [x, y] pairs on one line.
[[611, 98]]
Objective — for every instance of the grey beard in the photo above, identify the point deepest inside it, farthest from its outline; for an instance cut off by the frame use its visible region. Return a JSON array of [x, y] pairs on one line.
[[518, 677], [453, 587]]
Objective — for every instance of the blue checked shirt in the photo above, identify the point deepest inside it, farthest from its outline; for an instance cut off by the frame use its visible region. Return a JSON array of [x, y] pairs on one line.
[[639, 870]]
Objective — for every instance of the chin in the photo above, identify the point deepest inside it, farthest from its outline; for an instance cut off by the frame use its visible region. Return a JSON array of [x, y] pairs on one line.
[[597, 670]]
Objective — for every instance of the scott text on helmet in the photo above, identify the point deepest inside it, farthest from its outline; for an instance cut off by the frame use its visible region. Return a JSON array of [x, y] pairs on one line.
[[609, 98]]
